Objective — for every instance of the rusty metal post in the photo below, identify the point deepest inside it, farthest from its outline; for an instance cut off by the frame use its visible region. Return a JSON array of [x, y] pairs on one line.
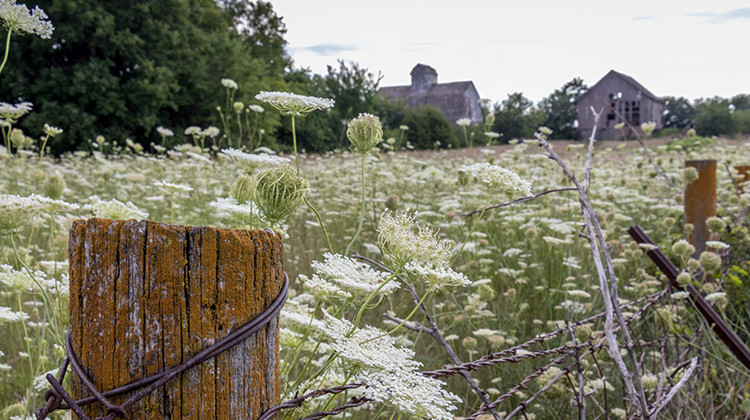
[[700, 201], [743, 170], [145, 297]]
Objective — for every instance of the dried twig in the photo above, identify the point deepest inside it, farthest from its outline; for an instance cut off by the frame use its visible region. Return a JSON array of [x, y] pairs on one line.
[[520, 200]]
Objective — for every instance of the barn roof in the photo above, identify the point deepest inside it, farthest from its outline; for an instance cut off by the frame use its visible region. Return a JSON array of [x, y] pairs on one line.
[[631, 81], [448, 97]]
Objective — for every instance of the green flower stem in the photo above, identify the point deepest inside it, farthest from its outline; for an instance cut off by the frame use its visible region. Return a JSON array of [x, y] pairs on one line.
[[307, 202], [473, 226], [362, 211], [45, 296], [239, 124], [26, 337], [369, 299], [293, 359], [41, 151], [411, 314], [7, 49]]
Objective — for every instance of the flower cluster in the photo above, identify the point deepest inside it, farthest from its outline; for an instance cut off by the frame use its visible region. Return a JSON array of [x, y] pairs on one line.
[[403, 240], [19, 19], [463, 122], [255, 161], [171, 188], [16, 211], [13, 112], [114, 209], [342, 277], [497, 179], [293, 104]]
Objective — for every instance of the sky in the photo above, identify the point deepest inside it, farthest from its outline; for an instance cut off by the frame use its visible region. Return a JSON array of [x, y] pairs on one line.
[[674, 48]]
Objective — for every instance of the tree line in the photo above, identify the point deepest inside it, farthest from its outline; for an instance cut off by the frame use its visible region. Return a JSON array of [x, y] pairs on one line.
[[121, 69]]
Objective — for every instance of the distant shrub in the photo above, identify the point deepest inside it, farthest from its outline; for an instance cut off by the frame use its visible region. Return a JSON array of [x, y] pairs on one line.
[[667, 132], [690, 143], [427, 126]]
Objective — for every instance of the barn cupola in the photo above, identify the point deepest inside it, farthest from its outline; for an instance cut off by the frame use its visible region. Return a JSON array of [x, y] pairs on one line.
[[422, 77]]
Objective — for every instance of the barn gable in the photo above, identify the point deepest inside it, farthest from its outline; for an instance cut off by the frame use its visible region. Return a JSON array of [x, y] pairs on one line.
[[623, 100]]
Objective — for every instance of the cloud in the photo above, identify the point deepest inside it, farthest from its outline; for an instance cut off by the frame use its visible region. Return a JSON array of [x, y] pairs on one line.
[[734, 14], [326, 49], [643, 18]]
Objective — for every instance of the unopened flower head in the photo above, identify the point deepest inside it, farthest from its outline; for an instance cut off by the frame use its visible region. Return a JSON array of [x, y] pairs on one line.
[[293, 104], [229, 83], [364, 132], [238, 106], [164, 132], [403, 240], [21, 20], [52, 131], [497, 179], [279, 191]]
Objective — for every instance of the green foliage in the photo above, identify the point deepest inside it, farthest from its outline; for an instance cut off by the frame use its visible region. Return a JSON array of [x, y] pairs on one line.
[[120, 69], [427, 126], [678, 112], [690, 143], [516, 118], [713, 117], [561, 109]]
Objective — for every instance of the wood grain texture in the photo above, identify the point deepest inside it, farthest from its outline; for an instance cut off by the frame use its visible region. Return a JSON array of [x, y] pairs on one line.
[[146, 296]]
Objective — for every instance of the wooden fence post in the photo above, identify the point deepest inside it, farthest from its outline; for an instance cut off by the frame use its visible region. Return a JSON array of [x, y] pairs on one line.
[[145, 296], [700, 201]]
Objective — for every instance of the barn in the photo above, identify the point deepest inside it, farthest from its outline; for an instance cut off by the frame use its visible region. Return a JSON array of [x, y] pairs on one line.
[[623, 100], [455, 100]]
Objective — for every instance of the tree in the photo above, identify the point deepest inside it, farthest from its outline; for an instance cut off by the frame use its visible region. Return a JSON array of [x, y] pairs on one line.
[[713, 117], [561, 109], [262, 30], [516, 118], [678, 112], [121, 68]]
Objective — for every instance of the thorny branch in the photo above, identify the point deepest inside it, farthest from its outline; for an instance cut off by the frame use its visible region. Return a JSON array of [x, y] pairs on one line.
[[520, 200], [645, 148], [607, 280]]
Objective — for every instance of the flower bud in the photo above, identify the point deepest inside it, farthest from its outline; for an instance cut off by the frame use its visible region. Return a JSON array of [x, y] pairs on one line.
[[54, 187], [364, 132], [238, 106], [715, 224], [469, 343], [279, 191], [243, 189]]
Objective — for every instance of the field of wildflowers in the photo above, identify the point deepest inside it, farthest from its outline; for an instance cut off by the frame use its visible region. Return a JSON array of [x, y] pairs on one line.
[[407, 265]]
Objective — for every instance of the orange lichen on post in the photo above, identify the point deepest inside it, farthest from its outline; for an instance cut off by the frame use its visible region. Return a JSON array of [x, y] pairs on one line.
[[700, 201], [146, 296]]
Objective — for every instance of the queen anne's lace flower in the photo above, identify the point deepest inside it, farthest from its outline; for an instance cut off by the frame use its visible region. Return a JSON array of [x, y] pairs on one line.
[[439, 276], [14, 112], [497, 179], [229, 83], [255, 160], [293, 104], [21, 20], [114, 209], [173, 188], [403, 240], [352, 276], [164, 132], [16, 211], [463, 122]]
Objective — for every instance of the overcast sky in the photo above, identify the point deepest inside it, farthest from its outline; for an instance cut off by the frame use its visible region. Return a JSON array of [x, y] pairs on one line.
[[674, 48]]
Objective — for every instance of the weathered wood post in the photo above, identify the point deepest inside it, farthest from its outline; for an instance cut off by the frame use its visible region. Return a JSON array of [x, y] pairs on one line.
[[145, 296], [700, 201]]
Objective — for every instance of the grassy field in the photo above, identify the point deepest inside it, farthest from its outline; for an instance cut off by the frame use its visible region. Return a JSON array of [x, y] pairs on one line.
[[529, 267]]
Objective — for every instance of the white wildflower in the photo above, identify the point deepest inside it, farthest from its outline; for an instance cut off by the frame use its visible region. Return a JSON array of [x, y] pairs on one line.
[[293, 104], [255, 160], [21, 20], [353, 276], [171, 188], [210, 131], [579, 294], [403, 240], [41, 383], [192, 131], [680, 295], [463, 122], [114, 209], [8, 315], [497, 179], [164, 132], [712, 297], [411, 392], [717, 245], [323, 288], [437, 275], [13, 112], [51, 130], [257, 108], [198, 156], [229, 84]]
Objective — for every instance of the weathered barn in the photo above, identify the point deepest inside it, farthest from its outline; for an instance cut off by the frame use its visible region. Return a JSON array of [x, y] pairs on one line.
[[455, 100], [623, 100]]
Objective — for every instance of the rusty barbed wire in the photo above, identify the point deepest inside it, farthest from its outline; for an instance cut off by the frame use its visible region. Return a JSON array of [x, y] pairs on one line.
[[57, 394]]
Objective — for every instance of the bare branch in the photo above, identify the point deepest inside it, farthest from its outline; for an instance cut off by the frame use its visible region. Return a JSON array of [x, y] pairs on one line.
[[658, 406], [520, 200]]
